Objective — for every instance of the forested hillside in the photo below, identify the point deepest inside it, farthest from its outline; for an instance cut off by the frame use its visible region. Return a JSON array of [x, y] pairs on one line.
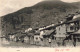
[[39, 15]]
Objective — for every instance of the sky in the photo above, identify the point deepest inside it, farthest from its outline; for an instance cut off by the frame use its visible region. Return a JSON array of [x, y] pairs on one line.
[[9, 6]]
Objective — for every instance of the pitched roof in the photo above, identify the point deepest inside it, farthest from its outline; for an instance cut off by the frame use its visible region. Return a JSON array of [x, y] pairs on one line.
[[69, 16], [48, 32], [37, 33], [77, 32], [60, 35], [76, 19]]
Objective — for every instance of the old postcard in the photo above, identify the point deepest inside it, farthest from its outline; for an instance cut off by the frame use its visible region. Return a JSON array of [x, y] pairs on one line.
[[39, 25]]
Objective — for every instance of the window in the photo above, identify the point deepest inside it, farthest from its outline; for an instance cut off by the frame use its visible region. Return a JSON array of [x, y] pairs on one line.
[[36, 38], [59, 28], [71, 28], [78, 39], [2, 26]]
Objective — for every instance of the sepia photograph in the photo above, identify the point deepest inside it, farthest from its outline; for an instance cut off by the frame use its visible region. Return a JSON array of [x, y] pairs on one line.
[[39, 24]]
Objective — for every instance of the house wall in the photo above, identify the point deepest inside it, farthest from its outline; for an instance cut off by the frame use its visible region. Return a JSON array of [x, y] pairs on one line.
[[37, 39], [43, 42], [61, 30], [75, 26], [79, 24], [69, 27], [26, 39], [31, 40], [11, 37], [76, 16]]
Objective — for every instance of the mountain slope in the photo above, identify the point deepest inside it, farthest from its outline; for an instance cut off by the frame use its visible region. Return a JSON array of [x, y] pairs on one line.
[[51, 11], [39, 15]]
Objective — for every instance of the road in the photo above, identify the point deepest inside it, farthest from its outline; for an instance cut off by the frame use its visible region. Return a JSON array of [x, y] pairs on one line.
[[6, 43]]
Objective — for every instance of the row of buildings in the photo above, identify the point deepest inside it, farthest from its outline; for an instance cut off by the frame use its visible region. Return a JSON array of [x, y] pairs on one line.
[[52, 35]]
